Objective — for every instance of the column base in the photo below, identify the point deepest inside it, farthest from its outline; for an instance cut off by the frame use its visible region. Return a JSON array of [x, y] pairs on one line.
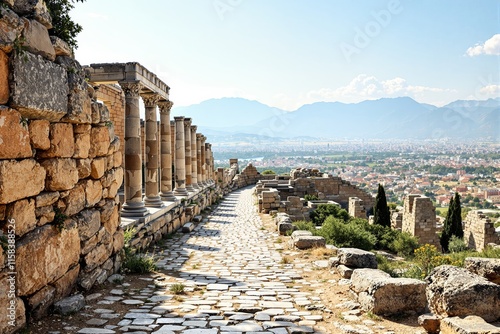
[[196, 186], [180, 192], [190, 188], [168, 196], [154, 202], [135, 209]]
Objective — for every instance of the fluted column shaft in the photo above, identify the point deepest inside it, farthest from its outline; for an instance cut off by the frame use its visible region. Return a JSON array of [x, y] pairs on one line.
[[187, 148], [166, 152], [133, 205], [152, 158], [180, 158], [194, 162], [198, 160]]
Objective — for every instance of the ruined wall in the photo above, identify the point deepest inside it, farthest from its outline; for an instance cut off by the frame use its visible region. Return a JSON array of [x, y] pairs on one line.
[[112, 96], [249, 176], [419, 219], [60, 169], [479, 231], [356, 208]]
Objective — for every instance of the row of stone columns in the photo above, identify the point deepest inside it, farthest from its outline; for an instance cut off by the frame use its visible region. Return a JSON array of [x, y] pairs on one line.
[[174, 145]]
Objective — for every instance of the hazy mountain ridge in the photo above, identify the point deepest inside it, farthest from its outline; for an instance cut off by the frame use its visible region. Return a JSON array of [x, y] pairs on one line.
[[398, 118]]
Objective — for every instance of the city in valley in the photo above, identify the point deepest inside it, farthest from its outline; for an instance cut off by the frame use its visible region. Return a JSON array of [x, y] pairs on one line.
[[436, 169]]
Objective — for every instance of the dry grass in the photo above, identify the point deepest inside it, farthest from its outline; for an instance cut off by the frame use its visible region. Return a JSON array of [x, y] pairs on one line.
[[322, 252]]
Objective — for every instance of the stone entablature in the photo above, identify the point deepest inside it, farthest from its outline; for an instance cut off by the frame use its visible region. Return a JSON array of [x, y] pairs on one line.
[[479, 231]]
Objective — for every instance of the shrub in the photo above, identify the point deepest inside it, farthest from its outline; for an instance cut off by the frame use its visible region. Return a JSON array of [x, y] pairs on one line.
[[427, 258], [138, 263], [268, 172], [337, 232], [319, 215], [456, 245], [62, 25], [404, 244], [304, 225], [308, 197]]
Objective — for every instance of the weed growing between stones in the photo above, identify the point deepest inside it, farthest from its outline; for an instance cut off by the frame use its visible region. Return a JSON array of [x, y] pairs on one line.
[[177, 288], [59, 219], [138, 263]]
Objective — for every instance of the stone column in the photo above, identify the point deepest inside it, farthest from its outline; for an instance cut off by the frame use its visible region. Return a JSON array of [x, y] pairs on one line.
[[203, 160], [180, 157], [166, 151], [194, 155], [187, 148], [172, 148], [152, 159], [207, 161], [198, 159], [133, 205]]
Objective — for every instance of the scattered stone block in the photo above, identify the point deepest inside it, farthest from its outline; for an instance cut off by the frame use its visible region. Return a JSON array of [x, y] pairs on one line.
[[487, 268], [39, 88], [37, 40], [306, 242], [188, 227], [283, 228], [197, 218], [382, 294], [333, 261], [344, 271], [13, 173], [70, 305], [356, 258], [4, 76], [468, 325], [430, 323], [454, 291]]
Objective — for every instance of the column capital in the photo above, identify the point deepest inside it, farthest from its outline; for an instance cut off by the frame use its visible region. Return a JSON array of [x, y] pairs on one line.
[[187, 122], [179, 118], [194, 128], [131, 88], [165, 106], [150, 100], [198, 136]]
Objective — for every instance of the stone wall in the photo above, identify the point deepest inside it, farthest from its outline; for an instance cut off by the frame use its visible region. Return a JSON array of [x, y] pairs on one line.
[[419, 219], [60, 170], [249, 176], [479, 231], [112, 96]]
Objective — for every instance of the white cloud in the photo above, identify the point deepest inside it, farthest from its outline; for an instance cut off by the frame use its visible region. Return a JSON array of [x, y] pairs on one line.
[[365, 87], [490, 47], [491, 91]]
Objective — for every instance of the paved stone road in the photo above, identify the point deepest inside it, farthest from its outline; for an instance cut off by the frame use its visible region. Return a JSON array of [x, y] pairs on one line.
[[235, 262]]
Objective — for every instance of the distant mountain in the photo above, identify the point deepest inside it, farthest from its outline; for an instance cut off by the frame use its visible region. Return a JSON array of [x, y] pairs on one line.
[[227, 112], [397, 118]]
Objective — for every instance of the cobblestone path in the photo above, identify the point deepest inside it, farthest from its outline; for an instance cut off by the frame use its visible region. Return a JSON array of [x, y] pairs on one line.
[[234, 278]]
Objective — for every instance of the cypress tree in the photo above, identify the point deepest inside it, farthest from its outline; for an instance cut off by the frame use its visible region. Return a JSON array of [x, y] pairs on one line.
[[381, 210], [452, 223]]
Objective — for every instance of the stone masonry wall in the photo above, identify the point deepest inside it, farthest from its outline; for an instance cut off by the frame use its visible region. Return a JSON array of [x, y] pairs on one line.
[[479, 231], [114, 100], [419, 219], [60, 169], [356, 208]]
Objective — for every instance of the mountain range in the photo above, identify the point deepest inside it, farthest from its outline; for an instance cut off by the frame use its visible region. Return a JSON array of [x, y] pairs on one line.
[[386, 118]]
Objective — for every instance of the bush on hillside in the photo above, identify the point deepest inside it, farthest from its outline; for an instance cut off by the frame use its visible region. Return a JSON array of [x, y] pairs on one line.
[[342, 234]]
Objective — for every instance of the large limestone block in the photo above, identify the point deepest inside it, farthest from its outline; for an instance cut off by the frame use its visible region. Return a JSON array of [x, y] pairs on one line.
[[79, 103], [39, 134], [14, 173], [14, 135], [112, 223], [75, 201], [11, 28], [83, 166], [488, 268], [99, 141], [4, 77], [13, 316], [23, 214], [456, 291], [382, 294], [61, 47], [66, 283], [356, 258], [34, 8], [93, 192], [40, 302], [306, 242], [89, 222], [37, 40], [82, 145], [118, 241], [62, 174], [44, 256], [116, 182], [62, 144], [98, 167], [468, 325], [39, 88]]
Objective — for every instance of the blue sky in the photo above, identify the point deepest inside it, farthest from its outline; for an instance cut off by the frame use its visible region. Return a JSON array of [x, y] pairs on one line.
[[288, 53]]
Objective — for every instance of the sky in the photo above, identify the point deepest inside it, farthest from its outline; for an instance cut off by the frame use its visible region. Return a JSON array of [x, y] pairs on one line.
[[287, 53]]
